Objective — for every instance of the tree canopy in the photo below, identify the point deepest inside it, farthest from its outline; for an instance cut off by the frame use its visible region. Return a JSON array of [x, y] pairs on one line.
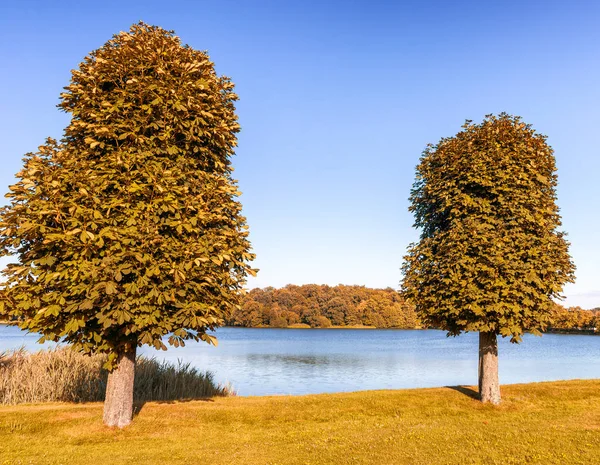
[[490, 257], [129, 228]]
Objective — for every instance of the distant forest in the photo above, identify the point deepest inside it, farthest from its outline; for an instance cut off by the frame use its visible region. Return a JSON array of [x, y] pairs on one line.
[[322, 306]]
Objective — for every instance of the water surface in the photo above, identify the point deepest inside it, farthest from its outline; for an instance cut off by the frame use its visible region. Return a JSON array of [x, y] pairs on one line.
[[302, 361]]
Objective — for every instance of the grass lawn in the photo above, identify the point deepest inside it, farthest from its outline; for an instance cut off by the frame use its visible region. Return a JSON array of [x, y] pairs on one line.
[[545, 423]]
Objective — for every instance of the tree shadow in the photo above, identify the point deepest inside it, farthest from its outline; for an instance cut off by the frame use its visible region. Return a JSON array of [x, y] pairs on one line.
[[467, 391], [138, 405]]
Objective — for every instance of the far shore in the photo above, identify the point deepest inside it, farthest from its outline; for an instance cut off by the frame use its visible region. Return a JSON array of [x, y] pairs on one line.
[[587, 332], [584, 332]]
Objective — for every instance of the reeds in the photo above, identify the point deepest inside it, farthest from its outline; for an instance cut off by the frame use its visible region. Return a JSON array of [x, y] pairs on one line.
[[156, 380], [63, 375]]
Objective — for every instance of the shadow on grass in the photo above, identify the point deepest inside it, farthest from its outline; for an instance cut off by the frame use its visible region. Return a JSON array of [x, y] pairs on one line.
[[139, 405], [467, 391]]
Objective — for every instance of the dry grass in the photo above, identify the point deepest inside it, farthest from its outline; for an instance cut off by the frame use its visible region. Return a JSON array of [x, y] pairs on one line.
[[543, 423], [63, 375]]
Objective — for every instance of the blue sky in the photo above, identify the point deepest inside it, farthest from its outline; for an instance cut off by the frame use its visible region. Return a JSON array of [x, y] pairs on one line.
[[337, 101]]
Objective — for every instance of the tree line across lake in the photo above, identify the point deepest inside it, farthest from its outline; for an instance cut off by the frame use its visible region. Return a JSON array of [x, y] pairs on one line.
[[323, 306]]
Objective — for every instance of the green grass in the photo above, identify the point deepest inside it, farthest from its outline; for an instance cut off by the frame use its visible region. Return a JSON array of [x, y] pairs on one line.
[[545, 423]]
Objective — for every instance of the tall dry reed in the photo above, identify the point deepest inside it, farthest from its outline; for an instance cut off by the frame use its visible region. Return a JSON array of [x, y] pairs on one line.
[[63, 375]]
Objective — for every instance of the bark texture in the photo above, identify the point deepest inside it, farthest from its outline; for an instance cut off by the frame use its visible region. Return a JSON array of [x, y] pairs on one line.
[[489, 386], [118, 404]]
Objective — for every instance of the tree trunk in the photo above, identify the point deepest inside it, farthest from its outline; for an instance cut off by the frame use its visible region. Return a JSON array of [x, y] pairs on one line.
[[118, 403], [489, 386]]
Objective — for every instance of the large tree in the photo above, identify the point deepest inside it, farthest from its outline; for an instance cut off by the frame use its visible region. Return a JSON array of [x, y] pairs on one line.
[[490, 256], [129, 228]]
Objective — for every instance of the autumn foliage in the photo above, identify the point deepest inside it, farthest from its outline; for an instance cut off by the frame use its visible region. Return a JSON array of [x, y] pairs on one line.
[[574, 319], [322, 306]]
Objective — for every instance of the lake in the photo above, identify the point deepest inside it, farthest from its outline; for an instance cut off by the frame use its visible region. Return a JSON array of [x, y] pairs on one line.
[[302, 361]]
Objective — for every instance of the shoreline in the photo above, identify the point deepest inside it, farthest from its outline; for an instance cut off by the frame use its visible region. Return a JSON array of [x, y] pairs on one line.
[[573, 332], [469, 390], [584, 332]]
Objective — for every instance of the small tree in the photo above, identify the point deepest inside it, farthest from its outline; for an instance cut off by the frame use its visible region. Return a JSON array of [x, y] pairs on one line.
[[128, 229], [490, 258]]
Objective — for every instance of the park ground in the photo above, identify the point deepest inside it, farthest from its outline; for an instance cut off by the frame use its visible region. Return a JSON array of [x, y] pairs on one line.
[[542, 423]]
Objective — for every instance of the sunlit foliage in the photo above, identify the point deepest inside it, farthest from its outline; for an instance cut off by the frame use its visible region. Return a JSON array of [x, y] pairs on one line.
[[490, 256], [129, 228]]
